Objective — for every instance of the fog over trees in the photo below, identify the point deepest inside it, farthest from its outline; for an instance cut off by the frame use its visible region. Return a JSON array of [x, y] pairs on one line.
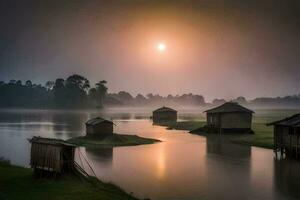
[[75, 92]]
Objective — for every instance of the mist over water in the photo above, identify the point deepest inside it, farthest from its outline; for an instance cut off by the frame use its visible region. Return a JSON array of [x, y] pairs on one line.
[[182, 166], [64, 62]]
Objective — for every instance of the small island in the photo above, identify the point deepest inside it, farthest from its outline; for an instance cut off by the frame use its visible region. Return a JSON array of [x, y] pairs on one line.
[[100, 133], [111, 140]]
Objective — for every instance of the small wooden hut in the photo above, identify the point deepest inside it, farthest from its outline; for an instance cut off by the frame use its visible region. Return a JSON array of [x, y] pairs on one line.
[[52, 155], [99, 126], [286, 136], [230, 117], [164, 114]]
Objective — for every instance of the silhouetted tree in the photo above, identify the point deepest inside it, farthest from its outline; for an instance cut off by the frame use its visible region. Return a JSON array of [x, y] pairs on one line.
[[76, 87], [59, 92], [218, 101], [49, 85], [240, 100], [101, 91], [28, 83], [140, 99]]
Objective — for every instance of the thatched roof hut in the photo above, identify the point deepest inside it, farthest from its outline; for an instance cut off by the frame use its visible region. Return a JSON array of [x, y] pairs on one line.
[[99, 126], [51, 155], [164, 114], [230, 117]]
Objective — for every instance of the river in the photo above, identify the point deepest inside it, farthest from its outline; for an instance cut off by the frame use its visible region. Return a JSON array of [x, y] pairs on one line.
[[181, 167]]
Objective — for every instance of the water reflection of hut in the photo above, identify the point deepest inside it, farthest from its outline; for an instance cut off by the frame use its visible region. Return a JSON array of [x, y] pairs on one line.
[[286, 177], [52, 155], [99, 126], [101, 154], [216, 144], [229, 117], [164, 114], [286, 136]]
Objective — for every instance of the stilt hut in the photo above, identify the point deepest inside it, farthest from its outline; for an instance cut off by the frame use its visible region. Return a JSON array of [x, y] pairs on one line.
[[99, 126], [51, 155], [229, 117], [286, 136], [164, 114]]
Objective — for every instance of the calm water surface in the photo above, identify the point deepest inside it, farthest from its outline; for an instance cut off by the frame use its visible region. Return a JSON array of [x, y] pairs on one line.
[[183, 166]]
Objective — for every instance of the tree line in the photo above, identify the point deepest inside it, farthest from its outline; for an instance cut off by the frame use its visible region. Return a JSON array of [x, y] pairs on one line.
[[76, 92], [73, 92]]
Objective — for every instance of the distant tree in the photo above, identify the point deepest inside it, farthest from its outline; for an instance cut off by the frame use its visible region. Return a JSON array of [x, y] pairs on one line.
[[12, 82], [170, 97], [125, 97], [59, 92], [240, 100], [218, 101], [199, 100], [140, 99], [28, 83], [101, 91], [76, 87], [49, 85], [93, 95], [19, 82], [78, 82], [150, 96]]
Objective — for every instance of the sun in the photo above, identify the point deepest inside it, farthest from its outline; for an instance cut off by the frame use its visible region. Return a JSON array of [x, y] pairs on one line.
[[161, 46]]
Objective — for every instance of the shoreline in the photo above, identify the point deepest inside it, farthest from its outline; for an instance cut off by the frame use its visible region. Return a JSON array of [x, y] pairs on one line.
[[112, 140], [262, 137], [17, 182]]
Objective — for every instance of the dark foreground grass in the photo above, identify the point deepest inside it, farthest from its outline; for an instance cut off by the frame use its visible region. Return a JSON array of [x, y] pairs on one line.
[[112, 140], [18, 183]]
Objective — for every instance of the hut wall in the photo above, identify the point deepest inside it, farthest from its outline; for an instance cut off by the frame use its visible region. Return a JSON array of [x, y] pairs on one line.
[[67, 155], [281, 135], [213, 119], [287, 140], [100, 129], [209, 119], [236, 120], [46, 157], [164, 116]]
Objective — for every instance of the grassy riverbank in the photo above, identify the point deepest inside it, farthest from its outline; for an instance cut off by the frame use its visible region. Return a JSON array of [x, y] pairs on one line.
[[263, 136], [112, 140], [18, 183]]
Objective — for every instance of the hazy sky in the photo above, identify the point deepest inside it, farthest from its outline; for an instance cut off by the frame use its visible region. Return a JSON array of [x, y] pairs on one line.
[[217, 48]]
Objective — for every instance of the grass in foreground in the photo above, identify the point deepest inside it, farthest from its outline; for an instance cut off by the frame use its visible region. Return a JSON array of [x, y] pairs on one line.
[[19, 183], [111, 140]]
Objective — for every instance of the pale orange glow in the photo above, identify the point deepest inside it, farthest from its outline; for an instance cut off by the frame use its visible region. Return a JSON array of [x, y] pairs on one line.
[[161, 161], [161, 47]]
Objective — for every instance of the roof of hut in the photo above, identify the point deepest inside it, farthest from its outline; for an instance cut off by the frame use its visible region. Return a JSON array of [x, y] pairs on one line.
[[97, 120], [165, 109], [229, 107], [293, 121], [50, 141]]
